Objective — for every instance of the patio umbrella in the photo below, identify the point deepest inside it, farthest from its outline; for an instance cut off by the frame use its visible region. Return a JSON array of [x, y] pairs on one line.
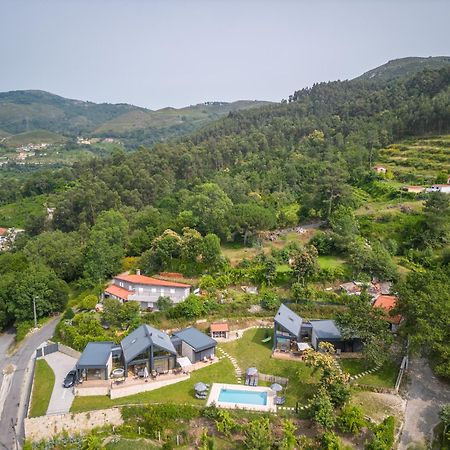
[[252, 371], [200, 387], [145, 372], [276, 387]]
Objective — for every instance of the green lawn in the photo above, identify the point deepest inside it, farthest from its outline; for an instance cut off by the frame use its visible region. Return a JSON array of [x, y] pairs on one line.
[[183, 392], [384, 377], [249, 351], [44, 380], [330, 262]]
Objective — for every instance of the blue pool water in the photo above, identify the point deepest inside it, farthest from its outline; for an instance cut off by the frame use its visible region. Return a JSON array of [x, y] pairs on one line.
[[244, 397]]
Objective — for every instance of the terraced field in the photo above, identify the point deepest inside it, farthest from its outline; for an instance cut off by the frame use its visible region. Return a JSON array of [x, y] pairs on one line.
[[418, 161]]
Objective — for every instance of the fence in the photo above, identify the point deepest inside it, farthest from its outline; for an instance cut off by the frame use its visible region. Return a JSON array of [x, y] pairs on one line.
[[53, 347], [403, 367], [273, 379]]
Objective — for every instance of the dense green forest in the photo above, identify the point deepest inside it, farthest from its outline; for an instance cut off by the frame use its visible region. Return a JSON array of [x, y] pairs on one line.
[[306, 159]]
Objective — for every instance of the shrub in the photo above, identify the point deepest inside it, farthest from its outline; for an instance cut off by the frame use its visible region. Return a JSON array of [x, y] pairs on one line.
[[351, 419], [330, 441], [383, 435], [270, 301], [321, 410], [22, 329]]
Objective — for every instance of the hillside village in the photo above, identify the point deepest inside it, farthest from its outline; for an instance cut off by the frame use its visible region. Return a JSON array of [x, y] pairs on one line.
[[275, 280]]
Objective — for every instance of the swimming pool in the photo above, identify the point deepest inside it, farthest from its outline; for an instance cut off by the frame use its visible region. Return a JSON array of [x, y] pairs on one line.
[[242, 397], [232, 396]]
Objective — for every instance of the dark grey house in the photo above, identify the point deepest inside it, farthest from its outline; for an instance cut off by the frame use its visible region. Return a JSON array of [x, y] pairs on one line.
[[194, 344], [328, 331], [287, 328], [148, 347], [95, 362]]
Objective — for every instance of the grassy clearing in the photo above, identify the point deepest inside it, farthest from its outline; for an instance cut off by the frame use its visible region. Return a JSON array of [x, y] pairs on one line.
[[384, 377], [249, 351], [16, 214], [44, 380], [330, 262], [183, 392]]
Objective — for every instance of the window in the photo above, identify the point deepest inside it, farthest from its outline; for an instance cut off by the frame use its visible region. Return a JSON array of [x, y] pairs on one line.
[[141, 290], [153, 289], [162, 290], [172, 291], [120, 284]]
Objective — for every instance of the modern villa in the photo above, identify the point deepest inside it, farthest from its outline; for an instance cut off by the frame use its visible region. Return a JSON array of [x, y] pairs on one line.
[[291, 332], [145, 290], [287, 328], [145, 349]]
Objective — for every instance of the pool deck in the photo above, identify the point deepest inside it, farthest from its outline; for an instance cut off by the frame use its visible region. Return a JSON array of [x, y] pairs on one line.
[[215, 391]]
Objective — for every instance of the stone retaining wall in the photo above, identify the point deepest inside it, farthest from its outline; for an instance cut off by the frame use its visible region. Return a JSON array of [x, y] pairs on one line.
[[45, 427]]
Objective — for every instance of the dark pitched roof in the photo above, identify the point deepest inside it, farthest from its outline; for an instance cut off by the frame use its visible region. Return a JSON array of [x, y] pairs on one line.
[[288, 320], [95, 354], [142, 338], [196, 339], [326, 329]]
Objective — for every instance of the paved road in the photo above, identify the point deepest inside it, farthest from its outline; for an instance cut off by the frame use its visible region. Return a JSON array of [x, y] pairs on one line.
[[13, 407], [62, 398], [426, 395]]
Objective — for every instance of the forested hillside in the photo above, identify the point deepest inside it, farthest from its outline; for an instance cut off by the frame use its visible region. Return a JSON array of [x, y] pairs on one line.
[[309, 158], [25, 111]]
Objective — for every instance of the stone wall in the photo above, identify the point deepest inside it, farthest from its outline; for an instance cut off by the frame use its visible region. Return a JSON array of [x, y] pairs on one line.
[[45, 427]]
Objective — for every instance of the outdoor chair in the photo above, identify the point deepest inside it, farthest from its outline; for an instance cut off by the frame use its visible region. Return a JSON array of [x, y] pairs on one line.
[[247, 381], [280, 400]]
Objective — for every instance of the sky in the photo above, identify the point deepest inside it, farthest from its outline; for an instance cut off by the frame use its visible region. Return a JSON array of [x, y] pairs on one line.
[[157, 53]]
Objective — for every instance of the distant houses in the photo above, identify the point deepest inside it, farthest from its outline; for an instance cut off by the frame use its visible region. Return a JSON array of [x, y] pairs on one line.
[[379, 169], [387, 303], [443, 188], [145, 290], [413, 189]]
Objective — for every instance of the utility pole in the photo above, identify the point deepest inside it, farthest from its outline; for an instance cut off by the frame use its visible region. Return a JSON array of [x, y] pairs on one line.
[[34, 311]]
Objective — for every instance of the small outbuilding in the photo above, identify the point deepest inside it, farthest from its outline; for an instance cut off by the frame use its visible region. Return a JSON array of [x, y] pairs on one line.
[[328, 331], [219, 330], [95, 362], [194, 344]]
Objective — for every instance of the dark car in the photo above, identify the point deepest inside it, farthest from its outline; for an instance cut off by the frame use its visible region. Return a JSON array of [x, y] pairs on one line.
[[70, 379]]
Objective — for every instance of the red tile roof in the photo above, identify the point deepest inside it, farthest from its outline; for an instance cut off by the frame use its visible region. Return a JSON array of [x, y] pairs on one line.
[[388, 302], [142, 279], [219, 327], [3, 231], [118, 291]]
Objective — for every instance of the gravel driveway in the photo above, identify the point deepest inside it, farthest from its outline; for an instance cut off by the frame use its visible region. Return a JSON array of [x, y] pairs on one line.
[[62, 398], [426, 395]]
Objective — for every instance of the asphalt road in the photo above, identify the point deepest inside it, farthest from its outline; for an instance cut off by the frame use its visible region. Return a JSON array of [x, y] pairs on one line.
[[426, 395], [12, 408]]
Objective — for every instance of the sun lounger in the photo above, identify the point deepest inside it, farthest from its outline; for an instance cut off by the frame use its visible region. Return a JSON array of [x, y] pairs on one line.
[[267, 339], [200, 396]]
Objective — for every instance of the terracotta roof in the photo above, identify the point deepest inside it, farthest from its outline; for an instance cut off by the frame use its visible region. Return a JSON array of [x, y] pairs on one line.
[[118, 291], [3, 231], [142, 279], [219, 327], [388, 302]]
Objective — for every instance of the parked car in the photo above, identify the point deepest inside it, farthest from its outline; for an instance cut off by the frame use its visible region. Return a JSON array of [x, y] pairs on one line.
[[70, 379]]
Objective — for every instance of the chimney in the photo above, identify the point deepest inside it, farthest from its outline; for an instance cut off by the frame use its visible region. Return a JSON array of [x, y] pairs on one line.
[[138, 271]]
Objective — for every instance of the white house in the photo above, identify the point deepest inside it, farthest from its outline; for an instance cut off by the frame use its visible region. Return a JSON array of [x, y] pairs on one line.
[[444, 188], [146, 290]]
